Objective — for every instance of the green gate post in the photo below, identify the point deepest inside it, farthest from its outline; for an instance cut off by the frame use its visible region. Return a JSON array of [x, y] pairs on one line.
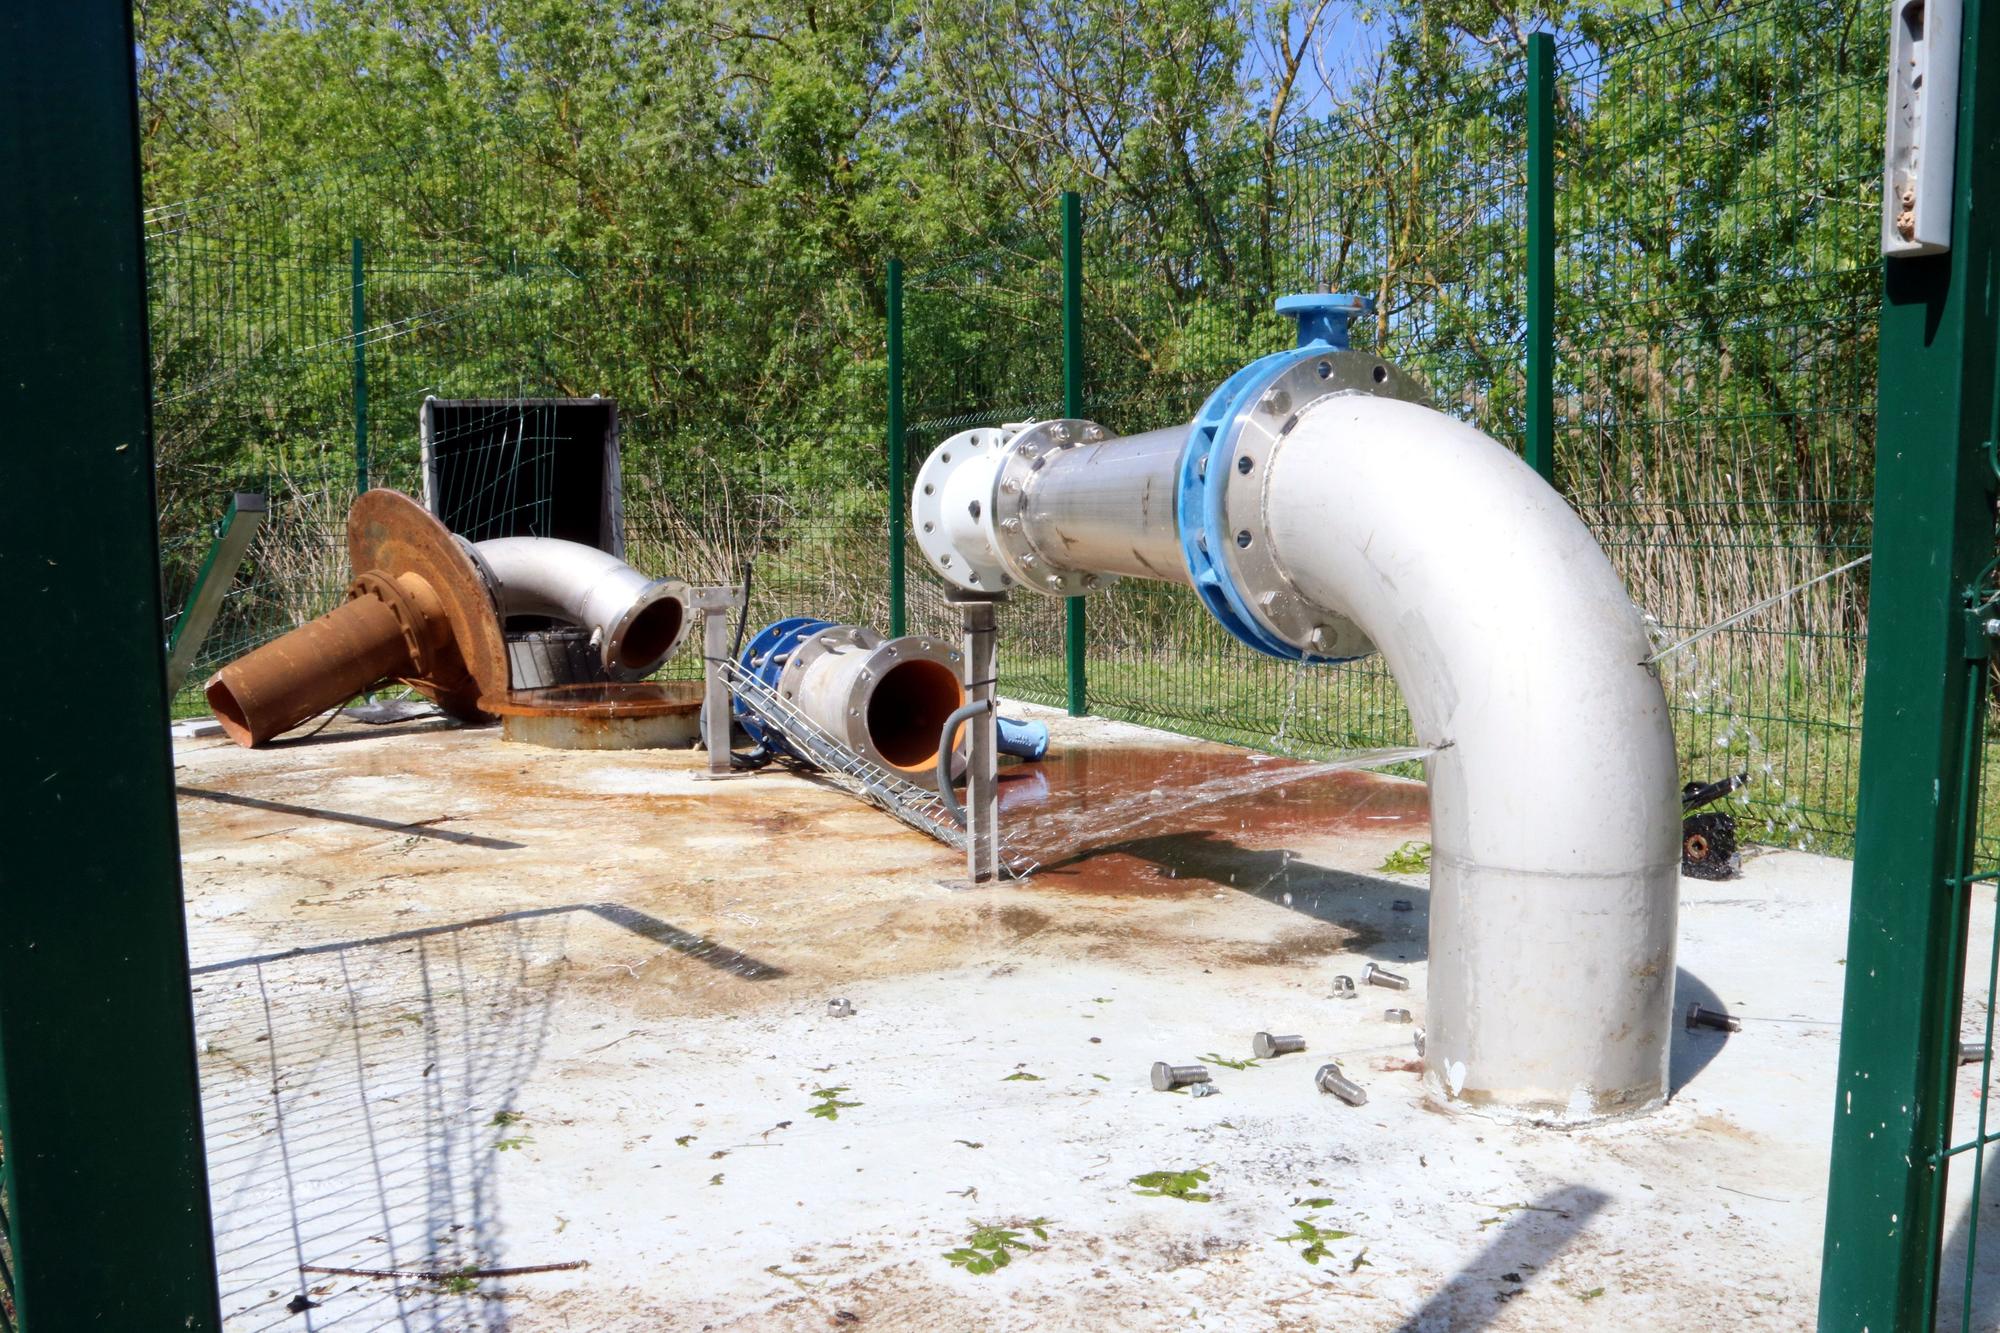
[[360, 322], [100, 1112], [898, 500], [1540, 444], [1074, 639], [1938, 414]]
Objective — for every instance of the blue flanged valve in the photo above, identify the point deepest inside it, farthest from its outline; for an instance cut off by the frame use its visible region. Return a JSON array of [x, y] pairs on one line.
[[1215, 548]]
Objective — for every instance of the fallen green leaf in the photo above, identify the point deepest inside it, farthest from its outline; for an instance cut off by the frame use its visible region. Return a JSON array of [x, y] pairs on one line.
[[1173, 1185]]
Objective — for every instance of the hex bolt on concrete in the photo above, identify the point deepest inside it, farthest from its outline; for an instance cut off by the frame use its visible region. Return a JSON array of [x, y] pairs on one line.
[[1343, 988], [840, 1008], [1402, 905], [1265, 1046], [1203, 1090], [1330, 1079], [1395, 1015], [1167, 1077], [1699, 1017], [1372, 975]]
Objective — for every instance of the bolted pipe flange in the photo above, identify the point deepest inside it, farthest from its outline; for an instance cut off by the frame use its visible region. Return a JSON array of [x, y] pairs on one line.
[[1222, 482], [973, 495], [418, 613]]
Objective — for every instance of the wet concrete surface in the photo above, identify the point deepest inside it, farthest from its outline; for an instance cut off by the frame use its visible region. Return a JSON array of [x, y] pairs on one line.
[[1112, 819], [469, 1004]]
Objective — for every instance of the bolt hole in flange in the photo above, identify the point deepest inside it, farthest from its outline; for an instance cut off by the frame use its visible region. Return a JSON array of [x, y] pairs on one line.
[[1325, 369], [1244, 464], [1381, 373], [1243, 538]]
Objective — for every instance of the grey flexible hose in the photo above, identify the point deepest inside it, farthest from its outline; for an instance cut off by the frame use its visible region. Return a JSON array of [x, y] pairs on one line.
[[965, 713]]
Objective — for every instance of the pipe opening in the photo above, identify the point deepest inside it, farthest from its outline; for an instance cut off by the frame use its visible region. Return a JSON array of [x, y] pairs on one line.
[[223, 703], [650, 635], [907, 710]]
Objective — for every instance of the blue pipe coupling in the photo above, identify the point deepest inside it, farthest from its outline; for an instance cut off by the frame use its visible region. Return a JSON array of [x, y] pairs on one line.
[[885, 699]]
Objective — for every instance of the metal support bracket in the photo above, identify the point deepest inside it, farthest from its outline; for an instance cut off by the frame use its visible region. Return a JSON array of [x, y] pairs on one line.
[[240, 525], [715, 604], [979, 622]]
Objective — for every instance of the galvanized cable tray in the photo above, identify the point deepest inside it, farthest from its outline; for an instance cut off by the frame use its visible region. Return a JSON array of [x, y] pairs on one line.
[[919, 807]]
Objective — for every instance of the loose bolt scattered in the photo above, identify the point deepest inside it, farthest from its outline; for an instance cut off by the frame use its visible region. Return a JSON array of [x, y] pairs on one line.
[[1699, 1017], [1343, 988], [1395, 1015], [1330, 1079], [1372, 975], [1167, 1077], [1203, 1090], [1264, 1045], [1401, 905], [840, 1008]]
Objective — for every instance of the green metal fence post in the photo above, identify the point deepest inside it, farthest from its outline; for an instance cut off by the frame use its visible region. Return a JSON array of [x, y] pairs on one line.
[[1074, 636], [898, 500], [100, 1111], [360, 323], [1938, 415], [1540, 443]]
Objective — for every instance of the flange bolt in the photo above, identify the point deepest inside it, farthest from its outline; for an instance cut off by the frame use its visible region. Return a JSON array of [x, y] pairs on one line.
[[1699, 1017], [1372, 975], [1265, 1046], [1330, 1079], [1167, 1077]]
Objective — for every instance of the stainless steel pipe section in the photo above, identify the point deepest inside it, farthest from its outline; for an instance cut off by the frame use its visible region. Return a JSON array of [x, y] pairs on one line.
[[1108, 508], [636, 621], [1555, 818], [1354, 520], [884, 699]]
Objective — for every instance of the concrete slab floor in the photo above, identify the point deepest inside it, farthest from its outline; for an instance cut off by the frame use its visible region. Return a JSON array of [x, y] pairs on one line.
[[471, 1005]]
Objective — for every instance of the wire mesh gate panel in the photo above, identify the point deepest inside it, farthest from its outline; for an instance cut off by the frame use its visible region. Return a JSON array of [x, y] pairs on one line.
[[1912, 1199]]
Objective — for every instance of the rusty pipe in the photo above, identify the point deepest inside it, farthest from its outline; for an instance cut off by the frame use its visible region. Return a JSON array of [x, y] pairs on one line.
[[419, 612], [389, 628]]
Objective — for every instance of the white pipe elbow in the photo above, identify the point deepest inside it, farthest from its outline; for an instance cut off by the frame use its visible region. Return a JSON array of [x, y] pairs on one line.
[[635, 621], [1555, 823]]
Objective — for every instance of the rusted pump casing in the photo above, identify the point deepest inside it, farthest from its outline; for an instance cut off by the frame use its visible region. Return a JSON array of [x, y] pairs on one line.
[[417, 612]]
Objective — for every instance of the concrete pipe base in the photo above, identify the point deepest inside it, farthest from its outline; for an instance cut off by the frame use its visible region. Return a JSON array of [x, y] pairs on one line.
[[647, 715]]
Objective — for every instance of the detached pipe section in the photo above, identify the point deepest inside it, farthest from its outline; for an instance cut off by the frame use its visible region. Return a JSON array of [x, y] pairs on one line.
[[417, 611], [635, 621], [426, 608], [885, 699], [1321, 511]]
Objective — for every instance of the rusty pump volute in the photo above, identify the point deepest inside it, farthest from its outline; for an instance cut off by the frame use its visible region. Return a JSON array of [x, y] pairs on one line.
[[418, 612]]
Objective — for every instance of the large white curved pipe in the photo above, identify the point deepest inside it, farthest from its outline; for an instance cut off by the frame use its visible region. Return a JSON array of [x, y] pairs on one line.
[[635, 620], [1352, 520], [1555, 828]]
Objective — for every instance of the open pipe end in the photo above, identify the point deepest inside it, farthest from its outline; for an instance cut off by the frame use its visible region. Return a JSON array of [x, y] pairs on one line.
[[228, 711], [907, 710], [649, 631]]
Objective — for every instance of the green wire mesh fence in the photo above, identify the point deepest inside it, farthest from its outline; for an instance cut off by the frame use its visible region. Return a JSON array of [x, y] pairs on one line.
[[299, 326], [1718, 194], [1715, 192]]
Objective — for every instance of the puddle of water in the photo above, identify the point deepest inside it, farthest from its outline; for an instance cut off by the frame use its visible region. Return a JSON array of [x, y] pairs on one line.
[[1116, 820]]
